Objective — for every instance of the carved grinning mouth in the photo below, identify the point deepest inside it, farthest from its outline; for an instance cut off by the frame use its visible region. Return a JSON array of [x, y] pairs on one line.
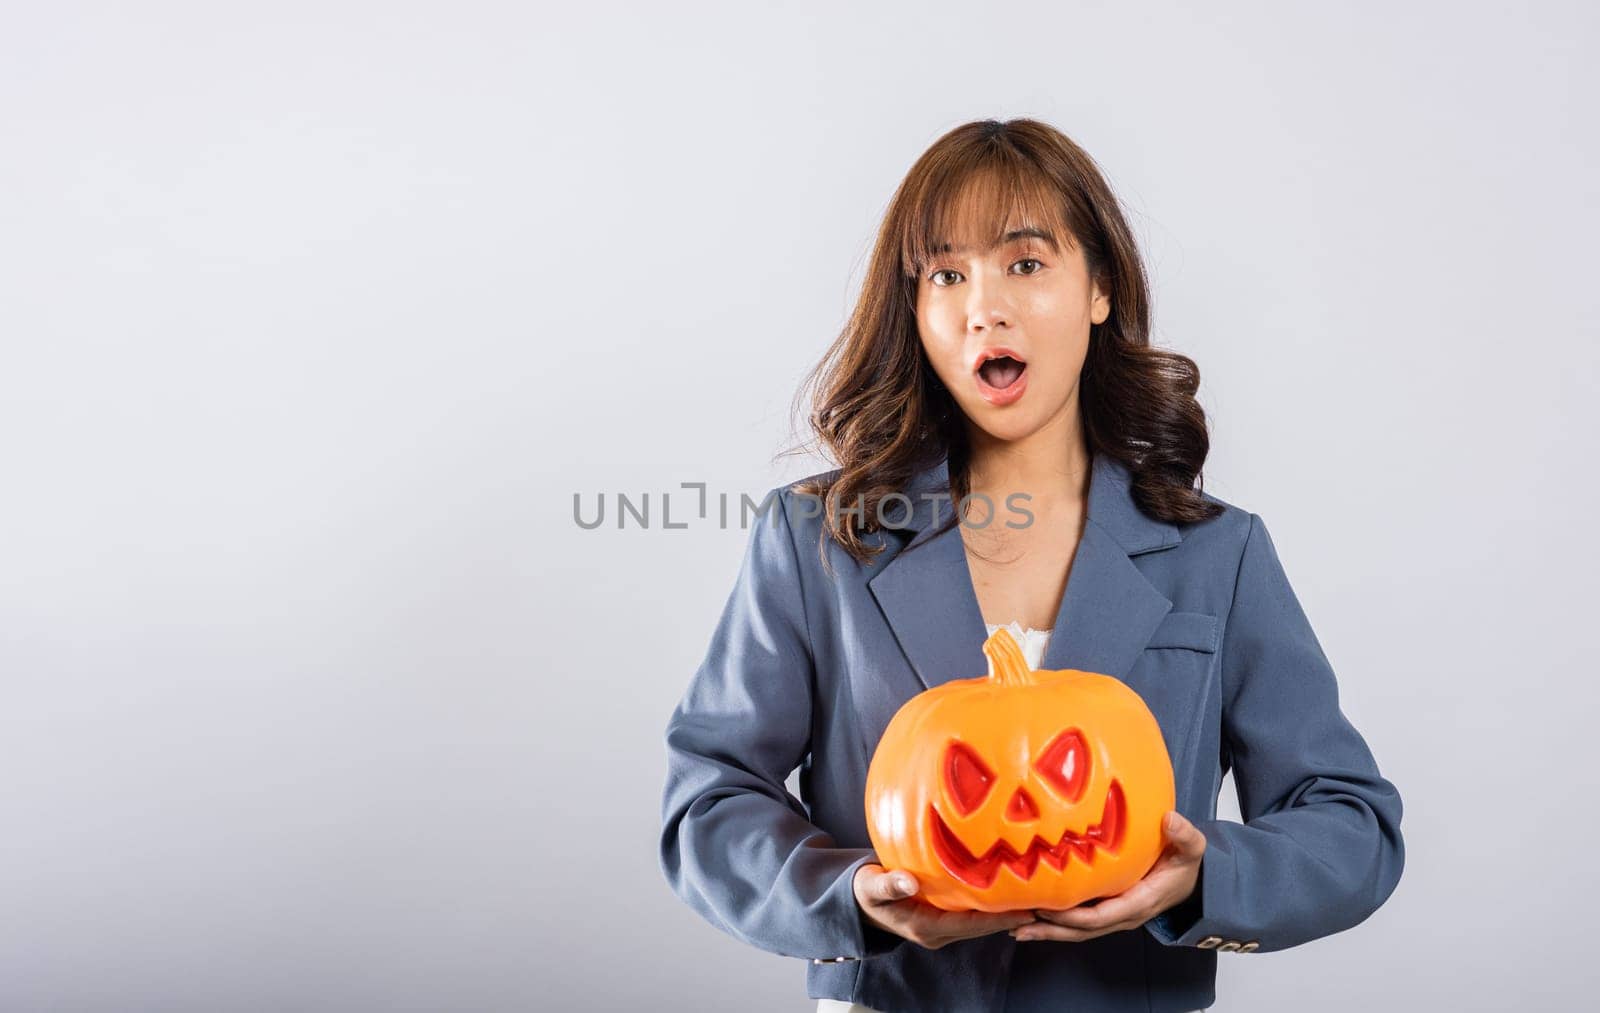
[[980, 872]]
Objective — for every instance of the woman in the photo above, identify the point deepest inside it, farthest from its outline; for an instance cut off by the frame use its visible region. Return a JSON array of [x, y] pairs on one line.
[[1011, 450]]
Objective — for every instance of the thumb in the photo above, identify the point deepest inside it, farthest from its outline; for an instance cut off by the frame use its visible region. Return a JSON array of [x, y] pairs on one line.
[[1184, 836], [892, 886]]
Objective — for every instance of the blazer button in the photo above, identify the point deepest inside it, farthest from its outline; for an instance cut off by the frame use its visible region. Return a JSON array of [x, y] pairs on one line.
[[1208, 942], [1251, 945], [1229, 946]]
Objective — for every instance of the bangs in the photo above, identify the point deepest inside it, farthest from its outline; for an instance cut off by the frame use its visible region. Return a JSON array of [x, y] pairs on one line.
[[977, 207]]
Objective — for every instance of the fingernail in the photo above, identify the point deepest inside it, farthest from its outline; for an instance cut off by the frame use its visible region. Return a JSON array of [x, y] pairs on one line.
[[902, 885]]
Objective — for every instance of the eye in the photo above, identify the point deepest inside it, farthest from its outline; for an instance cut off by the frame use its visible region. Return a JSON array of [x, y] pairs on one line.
[[967, 777], [934, 277], [1065, 764]]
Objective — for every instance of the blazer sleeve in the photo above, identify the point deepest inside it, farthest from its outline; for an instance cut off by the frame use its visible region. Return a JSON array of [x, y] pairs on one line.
[[1320, 848], [735, 845]]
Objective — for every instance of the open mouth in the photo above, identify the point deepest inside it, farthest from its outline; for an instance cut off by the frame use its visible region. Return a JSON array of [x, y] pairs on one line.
[[1001, 375], [980, 872], [1002, 372]]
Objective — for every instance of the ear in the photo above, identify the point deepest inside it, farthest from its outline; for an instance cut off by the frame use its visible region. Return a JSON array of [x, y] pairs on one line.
[[1099, 303]]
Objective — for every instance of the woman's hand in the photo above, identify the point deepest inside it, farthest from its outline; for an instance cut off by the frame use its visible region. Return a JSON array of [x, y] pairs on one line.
[[1168, 883], [900, 911]]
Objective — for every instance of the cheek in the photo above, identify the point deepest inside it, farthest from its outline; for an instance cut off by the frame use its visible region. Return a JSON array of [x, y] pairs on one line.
[[944, 348], [1060, 373], [1062, 359]]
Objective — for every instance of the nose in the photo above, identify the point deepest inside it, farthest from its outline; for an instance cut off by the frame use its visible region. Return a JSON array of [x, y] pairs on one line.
[[1021, 808], [987, 308], [987, 316]]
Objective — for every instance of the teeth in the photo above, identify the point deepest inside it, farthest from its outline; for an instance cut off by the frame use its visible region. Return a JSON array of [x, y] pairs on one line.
[[981, 871]]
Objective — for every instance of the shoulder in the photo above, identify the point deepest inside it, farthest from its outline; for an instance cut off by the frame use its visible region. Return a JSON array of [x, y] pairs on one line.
[[800, 503], [798, 494], [799, 508], [1223, 535], [816, 479], [1238, 548], [791, 508]]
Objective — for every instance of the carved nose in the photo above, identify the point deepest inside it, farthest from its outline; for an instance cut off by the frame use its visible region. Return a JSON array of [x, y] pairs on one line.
[[1021, 807]]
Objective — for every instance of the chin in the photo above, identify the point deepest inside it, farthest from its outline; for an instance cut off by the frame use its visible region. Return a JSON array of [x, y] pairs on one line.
[[1020, 420], [1007, 426]]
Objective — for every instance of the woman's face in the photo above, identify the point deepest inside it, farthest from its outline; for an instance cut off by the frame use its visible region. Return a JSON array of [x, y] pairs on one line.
[[1024, 308]]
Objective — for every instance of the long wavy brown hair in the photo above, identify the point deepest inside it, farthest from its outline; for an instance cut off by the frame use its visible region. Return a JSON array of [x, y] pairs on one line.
[[878, 409]]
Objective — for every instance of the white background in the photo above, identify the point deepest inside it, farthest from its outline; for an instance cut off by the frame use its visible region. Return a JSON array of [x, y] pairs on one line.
[[316, 316]]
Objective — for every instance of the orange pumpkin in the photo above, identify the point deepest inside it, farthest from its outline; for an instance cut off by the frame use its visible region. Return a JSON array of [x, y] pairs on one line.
[[1022, 789]]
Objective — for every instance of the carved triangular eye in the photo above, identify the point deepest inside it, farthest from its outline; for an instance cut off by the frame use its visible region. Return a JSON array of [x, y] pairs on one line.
[[967, 777], [1065, 764]]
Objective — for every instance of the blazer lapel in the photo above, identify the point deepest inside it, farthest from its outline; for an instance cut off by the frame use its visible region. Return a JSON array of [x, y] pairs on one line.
[[1108, 612]]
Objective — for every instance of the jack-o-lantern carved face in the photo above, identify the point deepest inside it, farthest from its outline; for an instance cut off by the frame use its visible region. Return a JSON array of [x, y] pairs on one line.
[[1024, 789]]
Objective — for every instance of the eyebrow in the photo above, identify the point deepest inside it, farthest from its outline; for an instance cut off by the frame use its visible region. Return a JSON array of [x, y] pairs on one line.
[[1009, 237]]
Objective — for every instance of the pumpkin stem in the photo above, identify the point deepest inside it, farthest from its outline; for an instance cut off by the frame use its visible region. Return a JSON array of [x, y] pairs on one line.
[[1006, 662]]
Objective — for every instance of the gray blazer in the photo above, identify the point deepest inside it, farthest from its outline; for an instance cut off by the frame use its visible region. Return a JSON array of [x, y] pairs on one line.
[[804, 670]]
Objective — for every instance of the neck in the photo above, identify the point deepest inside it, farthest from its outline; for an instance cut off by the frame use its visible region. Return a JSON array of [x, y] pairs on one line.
[[1050, 464]]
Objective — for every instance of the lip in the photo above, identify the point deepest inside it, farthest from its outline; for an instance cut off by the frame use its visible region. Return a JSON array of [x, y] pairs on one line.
[[995, 352], [995, 395]]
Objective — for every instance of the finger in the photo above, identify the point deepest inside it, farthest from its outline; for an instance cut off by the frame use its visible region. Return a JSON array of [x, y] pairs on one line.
[[1047, 931], [951, 926], [1060, 933], [1186, 838], [888, 887], [933, 923], [971, 923], [1004, 921], [1124, 907], [1044, 930]]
